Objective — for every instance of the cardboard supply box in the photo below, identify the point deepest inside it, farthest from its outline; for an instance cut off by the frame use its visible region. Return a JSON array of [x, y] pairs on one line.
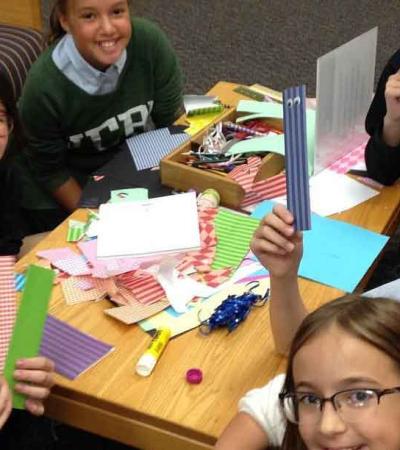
[[176, 174]]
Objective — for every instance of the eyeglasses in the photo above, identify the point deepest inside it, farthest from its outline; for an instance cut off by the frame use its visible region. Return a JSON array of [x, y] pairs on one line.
[[352, 405]]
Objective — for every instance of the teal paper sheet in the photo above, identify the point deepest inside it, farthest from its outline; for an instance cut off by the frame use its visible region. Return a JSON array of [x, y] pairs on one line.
[[336, 253]]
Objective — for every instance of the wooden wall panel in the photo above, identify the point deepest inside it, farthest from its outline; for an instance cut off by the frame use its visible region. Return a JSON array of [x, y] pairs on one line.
[[21, 12]]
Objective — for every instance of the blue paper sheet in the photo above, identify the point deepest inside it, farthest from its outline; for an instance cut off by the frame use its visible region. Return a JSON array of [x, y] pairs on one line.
[[336, 253]]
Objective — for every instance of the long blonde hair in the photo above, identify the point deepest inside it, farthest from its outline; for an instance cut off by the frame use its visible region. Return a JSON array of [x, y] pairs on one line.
[[373, 320]]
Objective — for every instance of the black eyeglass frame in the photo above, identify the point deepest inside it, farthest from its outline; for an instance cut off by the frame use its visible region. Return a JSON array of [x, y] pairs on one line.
[[322, 400]]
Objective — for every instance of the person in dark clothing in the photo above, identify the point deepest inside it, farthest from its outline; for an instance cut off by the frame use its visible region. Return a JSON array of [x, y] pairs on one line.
[[382, 153]]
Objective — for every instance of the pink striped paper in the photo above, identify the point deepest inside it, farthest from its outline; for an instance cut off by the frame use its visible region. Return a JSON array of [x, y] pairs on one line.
[[8, 304]]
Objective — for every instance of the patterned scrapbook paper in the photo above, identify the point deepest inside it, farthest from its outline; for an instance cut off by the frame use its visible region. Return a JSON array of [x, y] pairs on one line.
[[8, 304], [201, 260], [123, 297], [73, 266], [148, 149], [73, 295], [354, 157], [72, 351], [76, 229], [214, 278], [234, 233], [266, 189], [136, 312], [55, 254], [244, 174], [83, 282], [206, 226], [145, 288]]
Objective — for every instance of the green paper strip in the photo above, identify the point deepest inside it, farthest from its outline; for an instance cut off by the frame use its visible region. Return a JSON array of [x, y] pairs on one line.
[[28, 328], [129, 195], [234, 233], [274, 143], [76, 230]]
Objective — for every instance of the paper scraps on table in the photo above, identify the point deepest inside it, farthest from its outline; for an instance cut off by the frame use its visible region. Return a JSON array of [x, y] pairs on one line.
[[76, 230], [73, 266], [55, 254], [143, 285], [180, 323], [296, 164], [234, 233], [73, 294], [136, 312], [129, 195], [179, 289], [72, 351], [20, 280]]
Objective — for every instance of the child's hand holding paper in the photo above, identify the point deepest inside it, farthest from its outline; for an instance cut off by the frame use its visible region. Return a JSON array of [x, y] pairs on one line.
[[34, 377]]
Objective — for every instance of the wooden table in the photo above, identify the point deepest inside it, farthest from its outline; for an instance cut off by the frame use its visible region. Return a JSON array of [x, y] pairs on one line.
[[162, 411]]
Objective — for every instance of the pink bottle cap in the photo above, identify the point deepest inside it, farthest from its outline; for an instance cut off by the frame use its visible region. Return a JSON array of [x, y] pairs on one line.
[[194, 376]]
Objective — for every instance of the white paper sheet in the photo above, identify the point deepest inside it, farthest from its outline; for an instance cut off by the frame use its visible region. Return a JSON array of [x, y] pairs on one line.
[[160, 225], [331, 193]]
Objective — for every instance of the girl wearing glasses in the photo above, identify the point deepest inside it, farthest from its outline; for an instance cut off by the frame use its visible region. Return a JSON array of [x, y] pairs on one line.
[[342, 387]]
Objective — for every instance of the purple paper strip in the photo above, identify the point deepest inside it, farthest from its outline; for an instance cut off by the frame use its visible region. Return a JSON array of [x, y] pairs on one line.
[[298, 192], [72, 351]]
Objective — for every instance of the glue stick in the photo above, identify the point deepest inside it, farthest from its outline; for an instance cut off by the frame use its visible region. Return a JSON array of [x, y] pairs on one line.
[[148, 360]]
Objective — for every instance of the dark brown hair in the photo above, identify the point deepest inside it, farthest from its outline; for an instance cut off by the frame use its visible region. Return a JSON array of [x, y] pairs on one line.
[[56, 31], [373, 320], [9, 102]]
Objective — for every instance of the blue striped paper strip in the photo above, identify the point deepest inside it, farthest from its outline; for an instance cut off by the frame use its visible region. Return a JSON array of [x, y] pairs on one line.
[[148, 149], [298, 192]]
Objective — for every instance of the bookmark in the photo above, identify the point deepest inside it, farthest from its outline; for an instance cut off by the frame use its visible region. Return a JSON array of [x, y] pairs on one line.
[[298, 192], [28, 328]]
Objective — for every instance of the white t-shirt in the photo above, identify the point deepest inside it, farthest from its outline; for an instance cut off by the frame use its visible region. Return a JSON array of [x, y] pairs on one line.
[[263, 406]]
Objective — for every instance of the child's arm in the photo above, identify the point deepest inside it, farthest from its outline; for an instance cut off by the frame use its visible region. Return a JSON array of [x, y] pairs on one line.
[[279, 248], [68, 195], [260, 421], [242, 433], [382, 152], [391, 122]]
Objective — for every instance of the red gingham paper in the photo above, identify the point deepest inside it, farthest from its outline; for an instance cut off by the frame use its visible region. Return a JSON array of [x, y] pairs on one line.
[[8, 305], [206, 226], [201, 259]]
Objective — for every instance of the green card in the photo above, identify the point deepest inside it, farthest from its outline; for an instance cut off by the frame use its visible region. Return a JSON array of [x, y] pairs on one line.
[[29, 324], [129, 195]]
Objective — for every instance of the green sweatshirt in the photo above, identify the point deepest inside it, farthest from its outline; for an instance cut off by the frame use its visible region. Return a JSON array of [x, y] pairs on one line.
[[72, 133]]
